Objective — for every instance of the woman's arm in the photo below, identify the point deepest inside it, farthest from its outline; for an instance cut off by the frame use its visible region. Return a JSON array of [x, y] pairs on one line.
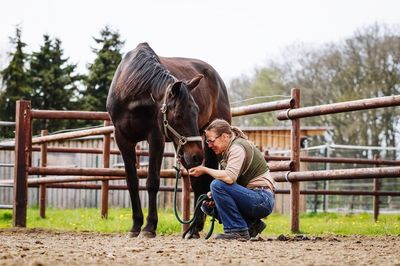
[[235, 161], [217, 174]]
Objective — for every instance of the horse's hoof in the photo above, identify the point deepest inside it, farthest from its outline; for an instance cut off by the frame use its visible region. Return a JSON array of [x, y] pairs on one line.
[[192, 236], [147, 234], [133, 234]]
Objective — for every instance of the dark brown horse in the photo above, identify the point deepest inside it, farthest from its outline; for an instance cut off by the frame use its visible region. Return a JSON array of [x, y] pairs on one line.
[[161, 99]]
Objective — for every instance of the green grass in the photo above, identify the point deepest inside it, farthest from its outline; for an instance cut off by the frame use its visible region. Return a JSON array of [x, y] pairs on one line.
[[119, 220]]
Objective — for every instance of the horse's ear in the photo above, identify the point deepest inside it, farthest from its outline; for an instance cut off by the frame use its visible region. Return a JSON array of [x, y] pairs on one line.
[[194, 82], [175, 89]]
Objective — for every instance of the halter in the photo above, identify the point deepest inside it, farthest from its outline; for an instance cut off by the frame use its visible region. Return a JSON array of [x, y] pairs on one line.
[[182, 139]]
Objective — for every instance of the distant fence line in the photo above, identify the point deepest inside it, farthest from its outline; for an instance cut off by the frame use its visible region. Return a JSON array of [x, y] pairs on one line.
[[7, 123]]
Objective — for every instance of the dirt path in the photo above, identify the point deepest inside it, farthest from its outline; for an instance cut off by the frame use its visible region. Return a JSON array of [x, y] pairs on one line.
[[42, 247]]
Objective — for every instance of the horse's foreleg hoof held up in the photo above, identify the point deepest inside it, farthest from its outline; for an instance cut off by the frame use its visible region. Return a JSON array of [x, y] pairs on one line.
[[133, 234], [147, 234]]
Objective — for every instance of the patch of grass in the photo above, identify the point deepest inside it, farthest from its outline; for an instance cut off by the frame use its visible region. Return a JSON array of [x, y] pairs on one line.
[[120, 220], [350, 224], [6, 217]]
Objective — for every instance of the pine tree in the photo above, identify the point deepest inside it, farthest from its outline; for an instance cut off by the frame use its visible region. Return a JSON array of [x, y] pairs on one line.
[[15, 81], [102, 70], [53, 81]]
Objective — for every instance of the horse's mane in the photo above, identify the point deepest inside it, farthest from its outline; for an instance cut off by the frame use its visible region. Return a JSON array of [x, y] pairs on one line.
[[141, 71]]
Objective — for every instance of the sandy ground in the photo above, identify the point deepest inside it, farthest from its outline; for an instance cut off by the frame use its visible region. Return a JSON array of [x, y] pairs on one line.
[[43, 247]]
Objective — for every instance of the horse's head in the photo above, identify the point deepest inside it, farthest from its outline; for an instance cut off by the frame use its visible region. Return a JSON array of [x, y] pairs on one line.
[[180, 116]]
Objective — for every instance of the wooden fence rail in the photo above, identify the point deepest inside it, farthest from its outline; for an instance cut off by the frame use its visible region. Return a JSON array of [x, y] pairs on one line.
[[377, 161], [341, 174], [335, 108]]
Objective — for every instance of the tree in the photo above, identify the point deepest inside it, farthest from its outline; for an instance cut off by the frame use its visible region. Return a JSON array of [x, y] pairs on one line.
[[266, 85], [53, 81], [366, 65], [238, 92], [101, 72], [15, 79]]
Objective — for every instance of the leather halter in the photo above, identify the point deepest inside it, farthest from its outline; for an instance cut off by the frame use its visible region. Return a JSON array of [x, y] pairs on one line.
[[182, 140]]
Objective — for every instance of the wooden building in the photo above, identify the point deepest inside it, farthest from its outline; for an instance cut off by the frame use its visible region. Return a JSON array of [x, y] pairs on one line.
[[278, 138]]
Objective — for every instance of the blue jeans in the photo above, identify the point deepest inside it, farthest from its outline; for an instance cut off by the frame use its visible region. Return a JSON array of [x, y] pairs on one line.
[[239, 207]]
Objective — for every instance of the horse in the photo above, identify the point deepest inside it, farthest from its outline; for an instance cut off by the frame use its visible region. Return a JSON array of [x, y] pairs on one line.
[[162, 99]]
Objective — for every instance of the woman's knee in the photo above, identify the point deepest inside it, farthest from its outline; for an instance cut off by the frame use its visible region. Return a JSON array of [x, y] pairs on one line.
[[217, 185]]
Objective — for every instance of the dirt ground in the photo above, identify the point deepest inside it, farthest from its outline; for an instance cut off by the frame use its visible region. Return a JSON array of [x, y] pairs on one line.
[[43, 247]]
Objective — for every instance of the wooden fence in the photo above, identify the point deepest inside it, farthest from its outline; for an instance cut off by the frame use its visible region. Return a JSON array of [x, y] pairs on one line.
[[23, 153], [23, 148]]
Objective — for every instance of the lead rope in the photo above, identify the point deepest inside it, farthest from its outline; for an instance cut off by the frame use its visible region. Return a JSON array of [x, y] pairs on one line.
[[197, 209]]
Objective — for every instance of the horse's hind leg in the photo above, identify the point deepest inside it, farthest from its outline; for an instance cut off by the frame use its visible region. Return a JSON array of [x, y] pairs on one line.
[[156, 149], [129, 156]]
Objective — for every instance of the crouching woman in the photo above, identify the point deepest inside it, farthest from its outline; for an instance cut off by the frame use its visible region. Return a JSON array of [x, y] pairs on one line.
[[243, 190]]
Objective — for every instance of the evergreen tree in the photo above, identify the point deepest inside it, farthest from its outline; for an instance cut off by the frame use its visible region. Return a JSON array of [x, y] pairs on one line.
[[102, 70], [53, 81], [15, 81]]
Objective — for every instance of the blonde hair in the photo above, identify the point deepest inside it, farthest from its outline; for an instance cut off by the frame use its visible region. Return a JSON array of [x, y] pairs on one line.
[[220, 126]]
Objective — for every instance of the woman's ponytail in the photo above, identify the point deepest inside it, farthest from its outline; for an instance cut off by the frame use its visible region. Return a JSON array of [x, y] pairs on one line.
[[238, 132]]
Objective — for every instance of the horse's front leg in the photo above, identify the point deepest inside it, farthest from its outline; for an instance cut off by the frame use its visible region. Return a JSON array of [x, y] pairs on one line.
[[201, 185], [128, 153], [156, 150]]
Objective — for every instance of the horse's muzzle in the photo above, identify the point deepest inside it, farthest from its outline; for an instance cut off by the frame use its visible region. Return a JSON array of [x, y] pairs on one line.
[[192, 156]]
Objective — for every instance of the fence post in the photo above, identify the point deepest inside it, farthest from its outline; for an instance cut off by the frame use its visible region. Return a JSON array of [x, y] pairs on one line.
[[23, 138], [185, 200], [106, 164], [295, 157], [376, 196], [138, 149], [328, 151], [42, 187]]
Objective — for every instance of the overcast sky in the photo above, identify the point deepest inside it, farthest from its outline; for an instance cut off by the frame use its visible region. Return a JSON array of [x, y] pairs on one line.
[[233, 36]]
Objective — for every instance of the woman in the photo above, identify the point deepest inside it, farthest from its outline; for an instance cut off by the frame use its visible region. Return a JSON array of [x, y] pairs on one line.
[[243, 189]]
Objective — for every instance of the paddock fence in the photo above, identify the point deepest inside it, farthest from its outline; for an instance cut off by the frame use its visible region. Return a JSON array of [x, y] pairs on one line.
[[287, 169], [23, 157]]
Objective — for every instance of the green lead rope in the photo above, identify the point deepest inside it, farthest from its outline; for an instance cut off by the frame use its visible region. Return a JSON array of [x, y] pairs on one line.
[[197, 209]]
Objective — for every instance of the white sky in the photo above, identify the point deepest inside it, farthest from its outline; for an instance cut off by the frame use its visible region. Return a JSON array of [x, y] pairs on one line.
[[233, 36]]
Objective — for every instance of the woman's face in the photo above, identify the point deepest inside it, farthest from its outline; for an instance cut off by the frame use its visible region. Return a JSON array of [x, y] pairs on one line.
[[218, 143]]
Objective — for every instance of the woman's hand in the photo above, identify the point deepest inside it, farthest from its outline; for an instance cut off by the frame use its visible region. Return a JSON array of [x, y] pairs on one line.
[[197, 171], [209, 194], [209, 203]]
